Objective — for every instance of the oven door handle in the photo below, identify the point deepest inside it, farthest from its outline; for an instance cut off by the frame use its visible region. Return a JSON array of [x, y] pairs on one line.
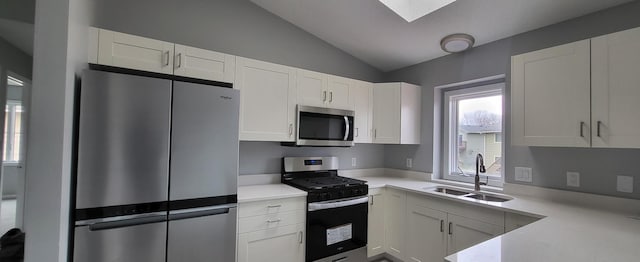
[[336, 204]]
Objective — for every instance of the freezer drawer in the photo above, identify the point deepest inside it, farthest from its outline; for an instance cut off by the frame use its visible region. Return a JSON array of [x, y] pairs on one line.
[[123, 146], [204, 141], [122, 241], [202, 235]]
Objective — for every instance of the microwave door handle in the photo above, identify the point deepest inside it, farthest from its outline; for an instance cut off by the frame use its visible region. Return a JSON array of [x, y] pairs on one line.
[[347, 127]]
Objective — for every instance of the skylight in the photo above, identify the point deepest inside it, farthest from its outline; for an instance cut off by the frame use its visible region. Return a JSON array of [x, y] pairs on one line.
[[411, 10], [12, 81]]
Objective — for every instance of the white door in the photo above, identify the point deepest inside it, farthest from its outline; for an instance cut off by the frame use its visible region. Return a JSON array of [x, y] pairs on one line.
[[616, 90], [312, 88], [426, 237], [204, 64], [338, 88], [395, 207], [386, 113], [361, 95], [282, 244], [134, 52], [551, 96], [375, 233], [465, 232], [267, 100]]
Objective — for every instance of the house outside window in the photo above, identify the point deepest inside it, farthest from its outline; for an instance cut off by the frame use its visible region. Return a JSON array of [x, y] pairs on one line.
[[473, 119]]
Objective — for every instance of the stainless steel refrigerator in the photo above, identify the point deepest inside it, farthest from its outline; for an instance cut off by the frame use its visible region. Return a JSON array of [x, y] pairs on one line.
[[157, 170]]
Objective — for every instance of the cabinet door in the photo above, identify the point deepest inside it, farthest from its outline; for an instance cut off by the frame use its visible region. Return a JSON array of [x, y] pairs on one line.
[[267, 100], [551, 96], [386, 113], [283, 244], [395, 207], [361, 95], [204, 64], [338, 88], [426, 238], [465, 232], [134, 52], [411, 110], [615, 89], [375, 234], [311, 88]]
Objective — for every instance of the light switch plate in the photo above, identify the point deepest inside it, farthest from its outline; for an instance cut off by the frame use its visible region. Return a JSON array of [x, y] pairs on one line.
[[573, 179], [523, 174], [625, 184], [409, 162], [354, 162]]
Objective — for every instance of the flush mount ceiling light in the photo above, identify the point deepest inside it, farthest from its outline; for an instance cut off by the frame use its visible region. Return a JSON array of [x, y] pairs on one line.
[[411, 10], [457, 43]]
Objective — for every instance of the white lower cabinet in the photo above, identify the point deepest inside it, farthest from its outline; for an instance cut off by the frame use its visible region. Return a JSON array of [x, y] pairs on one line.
[[282, 244], [272, 230], [422, 229], [375, 234]]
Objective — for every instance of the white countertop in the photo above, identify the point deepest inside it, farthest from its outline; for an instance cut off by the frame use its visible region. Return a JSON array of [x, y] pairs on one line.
[[567, 233], [267, 192]]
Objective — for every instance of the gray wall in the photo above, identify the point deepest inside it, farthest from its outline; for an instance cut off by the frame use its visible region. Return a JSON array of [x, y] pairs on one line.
[[598, 167], [237, 27], [266, 157]]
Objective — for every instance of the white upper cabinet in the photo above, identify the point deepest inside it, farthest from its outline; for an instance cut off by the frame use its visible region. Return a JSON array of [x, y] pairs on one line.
[[396, 113], [361, 95], [312, 88], [267, 100], [338, 88], [581, 94], [550, 96], [322, 90], [134, 52], [615, 94], [204, 64]]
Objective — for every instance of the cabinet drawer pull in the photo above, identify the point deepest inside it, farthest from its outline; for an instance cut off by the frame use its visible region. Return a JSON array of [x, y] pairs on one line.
[[274, 206], [441, 225], [450, 228], [581, 131], [371, 200], [179, 60], [324, 96], [598, 128], [301, 237], [375, 133], [273, 221], [357, 132], [331, 97], [166, 56], [290, 129]]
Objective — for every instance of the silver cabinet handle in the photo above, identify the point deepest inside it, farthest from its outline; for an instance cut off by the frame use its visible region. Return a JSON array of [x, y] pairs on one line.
[[274, 206], [273, 221], [179, 62], [357, 132], [598, 128], [581, 131], [301, 237], [330, 96], [375, 133], [166, 55], [324, 96], [441, 225], [450, 228], [371, 200], [290, 129]]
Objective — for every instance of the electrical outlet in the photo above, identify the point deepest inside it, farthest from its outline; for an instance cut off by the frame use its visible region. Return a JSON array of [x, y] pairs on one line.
[[523, 174], [625, 184], [573, 179], [354, 162], [409, 162]]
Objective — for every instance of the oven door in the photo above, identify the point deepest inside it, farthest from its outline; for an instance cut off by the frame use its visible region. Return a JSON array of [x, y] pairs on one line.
[[319, 126], [336, 226]]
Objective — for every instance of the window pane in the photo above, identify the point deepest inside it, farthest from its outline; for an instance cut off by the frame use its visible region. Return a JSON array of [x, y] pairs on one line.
[[479, 132]]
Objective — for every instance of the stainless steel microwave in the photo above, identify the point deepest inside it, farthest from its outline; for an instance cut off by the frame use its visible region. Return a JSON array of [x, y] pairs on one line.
[[319, 126]]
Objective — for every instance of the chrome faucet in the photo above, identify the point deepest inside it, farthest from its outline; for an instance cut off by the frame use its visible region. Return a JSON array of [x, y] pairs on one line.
[[479, 169]]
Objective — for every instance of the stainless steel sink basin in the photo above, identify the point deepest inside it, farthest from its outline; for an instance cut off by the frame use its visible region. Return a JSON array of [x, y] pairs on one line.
[[449, 191], [490, 198]]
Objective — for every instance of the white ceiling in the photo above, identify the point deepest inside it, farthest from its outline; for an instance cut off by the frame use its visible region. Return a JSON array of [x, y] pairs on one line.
[[370, 31], [18, 34]]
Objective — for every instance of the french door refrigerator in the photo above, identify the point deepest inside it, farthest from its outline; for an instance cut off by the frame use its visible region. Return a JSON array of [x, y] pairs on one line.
[[157, 170]]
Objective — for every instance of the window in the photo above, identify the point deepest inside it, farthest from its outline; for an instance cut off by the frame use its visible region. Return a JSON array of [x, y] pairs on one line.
[[13, 133], [472, 126]]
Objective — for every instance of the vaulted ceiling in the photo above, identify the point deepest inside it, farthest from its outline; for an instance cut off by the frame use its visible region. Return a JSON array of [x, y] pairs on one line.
[[370, 31]]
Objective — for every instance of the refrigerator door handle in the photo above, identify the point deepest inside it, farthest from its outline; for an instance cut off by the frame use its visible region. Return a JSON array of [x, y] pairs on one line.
[[199, 212], [127, 222]]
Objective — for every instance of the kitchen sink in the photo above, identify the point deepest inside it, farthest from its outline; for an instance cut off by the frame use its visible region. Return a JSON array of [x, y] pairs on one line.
[[490, 198], [449, 191]]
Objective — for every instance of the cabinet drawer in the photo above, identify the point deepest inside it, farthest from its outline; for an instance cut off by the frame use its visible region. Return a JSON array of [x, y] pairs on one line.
[[487, 215], [268, 221], [271, 206]]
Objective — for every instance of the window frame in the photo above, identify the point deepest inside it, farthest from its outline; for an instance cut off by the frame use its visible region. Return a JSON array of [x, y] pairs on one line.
[[450, 131], [10, 120]]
